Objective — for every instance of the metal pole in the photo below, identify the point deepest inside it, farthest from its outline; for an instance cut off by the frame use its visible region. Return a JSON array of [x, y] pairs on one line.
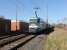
[[47, 12], [16, 13]]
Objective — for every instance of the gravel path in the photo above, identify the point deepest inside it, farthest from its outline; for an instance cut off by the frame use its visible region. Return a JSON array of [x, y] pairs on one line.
[[35, 44]]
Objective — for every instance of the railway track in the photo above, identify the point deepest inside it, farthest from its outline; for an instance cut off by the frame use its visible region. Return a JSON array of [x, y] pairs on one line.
[[11, 39], [12, 42], [2, 37], [35, 44], [21, 42]]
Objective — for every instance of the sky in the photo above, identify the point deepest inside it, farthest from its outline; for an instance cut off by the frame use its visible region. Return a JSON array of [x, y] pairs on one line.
[[57, 9]]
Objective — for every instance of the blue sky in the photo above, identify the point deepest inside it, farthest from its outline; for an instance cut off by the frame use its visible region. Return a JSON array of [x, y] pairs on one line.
[[57, 9]]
